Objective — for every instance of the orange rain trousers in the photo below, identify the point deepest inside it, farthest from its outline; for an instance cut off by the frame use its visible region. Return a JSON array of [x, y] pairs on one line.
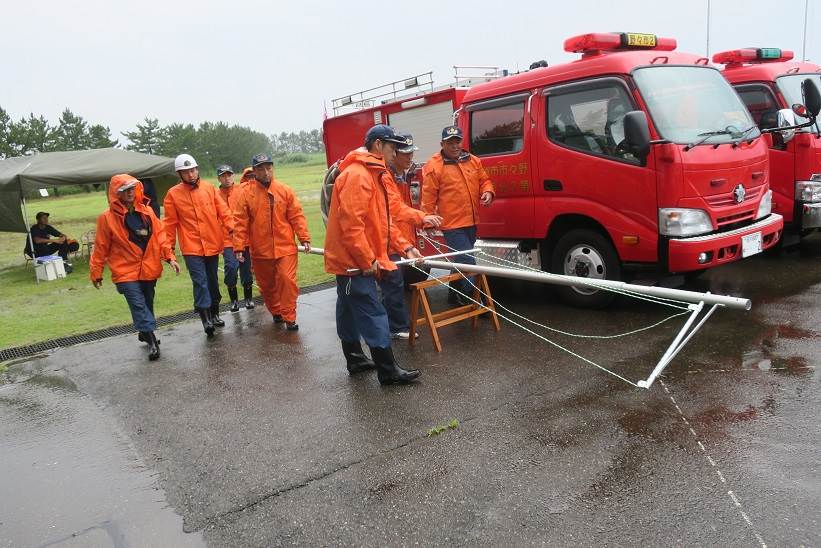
[[277, 283]]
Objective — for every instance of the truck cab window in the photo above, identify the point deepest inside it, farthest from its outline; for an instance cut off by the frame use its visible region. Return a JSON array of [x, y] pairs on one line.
[[590, 120], [497, 130], [761, 104]]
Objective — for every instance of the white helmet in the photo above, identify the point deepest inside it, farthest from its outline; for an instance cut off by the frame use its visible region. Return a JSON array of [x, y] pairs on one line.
[[184, 161]]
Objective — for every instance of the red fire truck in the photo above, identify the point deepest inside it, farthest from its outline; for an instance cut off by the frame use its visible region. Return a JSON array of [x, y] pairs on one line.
[[770, 83], [633, 161]]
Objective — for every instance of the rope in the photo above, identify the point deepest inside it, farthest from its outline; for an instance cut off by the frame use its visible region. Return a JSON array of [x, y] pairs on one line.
[[592, 283], [545, 339]]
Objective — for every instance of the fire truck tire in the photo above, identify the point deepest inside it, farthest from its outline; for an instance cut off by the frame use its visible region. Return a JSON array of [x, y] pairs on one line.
[[589, 254]]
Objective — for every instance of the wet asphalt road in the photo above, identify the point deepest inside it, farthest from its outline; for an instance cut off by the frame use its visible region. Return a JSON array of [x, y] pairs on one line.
[[261, 438]]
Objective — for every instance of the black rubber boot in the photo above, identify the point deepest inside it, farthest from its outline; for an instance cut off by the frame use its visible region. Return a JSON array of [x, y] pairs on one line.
[[232, 294], [215, 316], [205, 317], [142, 337], [249, 299], [153, 346], [356, 359], [388, 370]]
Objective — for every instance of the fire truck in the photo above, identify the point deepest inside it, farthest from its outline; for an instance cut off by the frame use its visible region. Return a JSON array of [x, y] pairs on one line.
[[632, 162], [770, 83]]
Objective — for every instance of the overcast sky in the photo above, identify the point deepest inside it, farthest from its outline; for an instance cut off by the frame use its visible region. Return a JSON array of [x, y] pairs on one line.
[[273, 65]]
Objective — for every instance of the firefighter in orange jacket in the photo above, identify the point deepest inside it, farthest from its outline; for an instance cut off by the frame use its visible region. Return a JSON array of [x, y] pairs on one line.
[[229, 192], [131, 240], [268, 215], [196, 213], [454, 184], [360, 231], [407, 219]]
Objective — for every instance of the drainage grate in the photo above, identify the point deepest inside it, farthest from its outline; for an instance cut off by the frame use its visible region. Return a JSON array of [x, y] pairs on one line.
[[37, 348]]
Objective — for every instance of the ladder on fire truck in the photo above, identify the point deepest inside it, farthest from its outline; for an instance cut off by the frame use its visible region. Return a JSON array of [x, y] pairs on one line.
[[418, 84]]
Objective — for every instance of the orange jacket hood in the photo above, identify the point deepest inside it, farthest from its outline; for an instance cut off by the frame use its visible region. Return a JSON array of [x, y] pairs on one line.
[[119, 180]]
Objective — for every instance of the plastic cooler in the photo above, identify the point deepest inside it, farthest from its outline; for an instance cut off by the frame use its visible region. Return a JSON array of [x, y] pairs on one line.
[[49, 267]]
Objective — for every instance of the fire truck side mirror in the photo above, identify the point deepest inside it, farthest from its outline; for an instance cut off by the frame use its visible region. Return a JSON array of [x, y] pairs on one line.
[[785, 118], [637, 133], [812, 97]]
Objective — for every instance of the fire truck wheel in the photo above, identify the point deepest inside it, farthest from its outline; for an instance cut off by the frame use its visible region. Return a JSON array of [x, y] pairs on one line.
[[587, 254]]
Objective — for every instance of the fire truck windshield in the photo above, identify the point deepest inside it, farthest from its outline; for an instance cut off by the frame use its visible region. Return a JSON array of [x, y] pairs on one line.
[[790, 87], [688, 102]]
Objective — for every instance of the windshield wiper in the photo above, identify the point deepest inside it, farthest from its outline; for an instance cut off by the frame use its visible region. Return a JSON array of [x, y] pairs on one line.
[[707, 134], [744, 134]]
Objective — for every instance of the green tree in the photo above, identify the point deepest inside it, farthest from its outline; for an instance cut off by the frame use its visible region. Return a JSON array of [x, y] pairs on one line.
[[99, 136], [71, 132], [181, 138], [147, 137], [32, 134], [6, 150]]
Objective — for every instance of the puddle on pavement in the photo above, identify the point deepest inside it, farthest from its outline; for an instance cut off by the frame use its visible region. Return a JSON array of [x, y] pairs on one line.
[[69, 478]]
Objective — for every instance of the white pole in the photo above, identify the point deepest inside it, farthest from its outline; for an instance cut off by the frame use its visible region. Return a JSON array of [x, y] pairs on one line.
[[548, 278], [708, 29], [26, 221], [31, 240], [804, 44]]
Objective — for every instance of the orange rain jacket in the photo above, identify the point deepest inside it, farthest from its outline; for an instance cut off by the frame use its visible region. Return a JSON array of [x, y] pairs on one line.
[[455, 189], [268, 218], [407, 218], [360, 228], [229, 196], [200, 217], [125, 259]]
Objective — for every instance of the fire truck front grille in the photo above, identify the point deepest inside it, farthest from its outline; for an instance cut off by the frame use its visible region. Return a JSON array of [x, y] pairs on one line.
[[728, 198]]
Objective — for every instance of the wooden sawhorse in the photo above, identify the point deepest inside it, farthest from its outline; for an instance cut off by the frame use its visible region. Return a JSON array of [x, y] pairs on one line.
[[452, 315]]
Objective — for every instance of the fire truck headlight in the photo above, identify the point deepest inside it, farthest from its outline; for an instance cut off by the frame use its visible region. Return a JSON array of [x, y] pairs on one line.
[[808, 191], [677, 221]]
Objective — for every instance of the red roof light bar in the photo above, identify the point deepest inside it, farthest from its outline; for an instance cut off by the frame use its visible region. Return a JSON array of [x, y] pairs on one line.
[[617, 41]]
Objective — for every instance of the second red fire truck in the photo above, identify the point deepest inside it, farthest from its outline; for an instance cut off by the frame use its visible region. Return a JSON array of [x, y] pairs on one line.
[[770, 83]]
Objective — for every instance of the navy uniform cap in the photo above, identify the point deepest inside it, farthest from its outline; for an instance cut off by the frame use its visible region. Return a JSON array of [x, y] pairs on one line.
[[384, 133], [261, 158], [451, 132]]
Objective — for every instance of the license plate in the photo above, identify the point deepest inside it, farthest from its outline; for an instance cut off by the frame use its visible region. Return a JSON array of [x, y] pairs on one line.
[[751, 244], [641, 40]]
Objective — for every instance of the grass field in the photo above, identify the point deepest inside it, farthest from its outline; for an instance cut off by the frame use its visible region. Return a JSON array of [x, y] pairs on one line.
[[35, 312]]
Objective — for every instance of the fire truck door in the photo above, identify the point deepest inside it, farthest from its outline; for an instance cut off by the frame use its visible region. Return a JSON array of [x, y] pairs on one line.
[[498, 133], [583, 170]]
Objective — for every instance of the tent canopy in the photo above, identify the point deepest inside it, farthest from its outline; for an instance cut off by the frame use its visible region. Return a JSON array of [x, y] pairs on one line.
[[51, 169]]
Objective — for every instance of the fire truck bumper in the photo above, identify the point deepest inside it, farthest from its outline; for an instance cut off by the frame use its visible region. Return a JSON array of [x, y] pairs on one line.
[[811, 215], [700, 252]]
